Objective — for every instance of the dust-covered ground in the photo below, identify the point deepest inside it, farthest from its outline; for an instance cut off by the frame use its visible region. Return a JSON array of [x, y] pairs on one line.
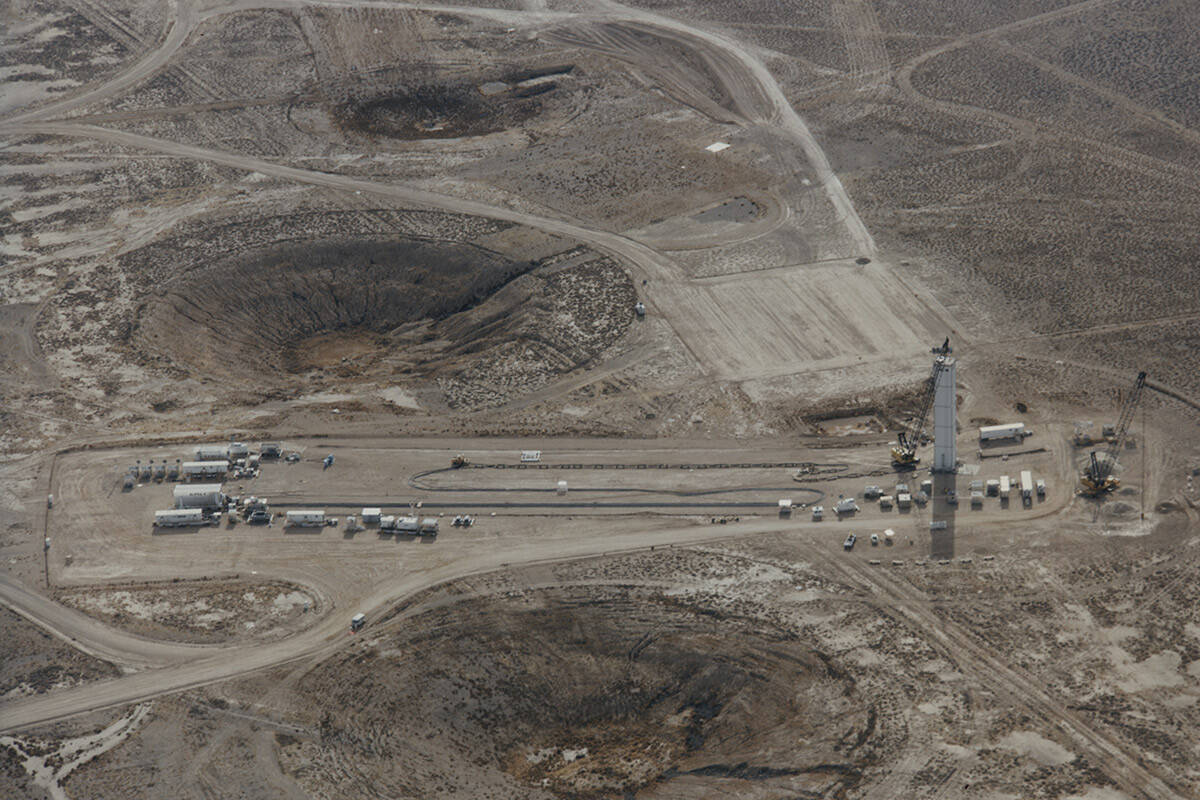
[[751, 669], [741, 221], [208, 611]]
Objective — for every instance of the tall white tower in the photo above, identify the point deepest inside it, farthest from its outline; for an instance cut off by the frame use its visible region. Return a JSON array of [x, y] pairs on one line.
[[945, 418]]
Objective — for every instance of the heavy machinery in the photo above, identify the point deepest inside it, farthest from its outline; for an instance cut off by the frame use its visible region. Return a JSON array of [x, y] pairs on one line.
[[1097, 479], [459, 461], [904, 454]]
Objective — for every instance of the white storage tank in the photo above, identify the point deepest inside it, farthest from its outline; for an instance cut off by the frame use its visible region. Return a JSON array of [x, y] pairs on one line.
[[199, 495], [371, 516], [178, 517], [306, 518], [1026, 485]]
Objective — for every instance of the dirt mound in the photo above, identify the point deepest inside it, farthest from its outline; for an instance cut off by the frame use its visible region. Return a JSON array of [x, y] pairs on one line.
[[575, 696], [299, 305]]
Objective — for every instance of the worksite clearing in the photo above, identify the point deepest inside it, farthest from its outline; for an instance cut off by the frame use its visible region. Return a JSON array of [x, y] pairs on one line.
[[645, 400]]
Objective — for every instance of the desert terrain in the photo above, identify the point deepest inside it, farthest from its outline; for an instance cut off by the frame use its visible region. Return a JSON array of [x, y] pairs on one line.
[[604, 301]]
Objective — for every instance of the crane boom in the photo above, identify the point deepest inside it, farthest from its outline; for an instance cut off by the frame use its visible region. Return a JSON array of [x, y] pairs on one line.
[[1098, 477], [908, 440]]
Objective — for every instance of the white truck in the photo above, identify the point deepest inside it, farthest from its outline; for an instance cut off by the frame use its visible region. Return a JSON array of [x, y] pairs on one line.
[[1026, 486], [306, 518], [178, 517], [357, 621], [1011, 430], [785, 507], [845, 506], [1005, 487]]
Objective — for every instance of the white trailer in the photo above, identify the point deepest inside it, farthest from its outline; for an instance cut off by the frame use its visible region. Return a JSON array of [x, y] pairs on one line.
[[372, 516], [1026, 485], [387, 522], [408, 525], [238, 450], [178, 517], [212, 452], [306, 518], [1011, 430], [429, 526], [531, 456], [1005, 487], [204, 469], [199, 495]]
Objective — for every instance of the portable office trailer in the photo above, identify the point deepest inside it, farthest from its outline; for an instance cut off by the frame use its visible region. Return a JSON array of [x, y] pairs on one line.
[[408, 525], [429, 526], [199, 495], [212, 452], [178, 517], [310, 518], [204, 469], [371, 516], [1012, 430]]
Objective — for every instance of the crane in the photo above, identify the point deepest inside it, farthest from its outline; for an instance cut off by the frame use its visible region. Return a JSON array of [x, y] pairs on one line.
[[904, 454], [1097, 478]]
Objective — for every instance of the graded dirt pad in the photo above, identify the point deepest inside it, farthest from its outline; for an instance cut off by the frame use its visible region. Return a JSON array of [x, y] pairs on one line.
[[199, 611], [35, 662]]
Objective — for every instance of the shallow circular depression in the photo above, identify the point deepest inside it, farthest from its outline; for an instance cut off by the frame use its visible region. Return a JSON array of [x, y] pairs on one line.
[[580, 696], [296, 306]]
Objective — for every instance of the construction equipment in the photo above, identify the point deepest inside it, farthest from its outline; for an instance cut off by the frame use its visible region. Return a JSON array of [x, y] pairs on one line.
[[904, 454], [1097, 479], [459, 461]]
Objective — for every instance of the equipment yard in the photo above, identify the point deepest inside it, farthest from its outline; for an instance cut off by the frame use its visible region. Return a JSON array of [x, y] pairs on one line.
[[578, 400]]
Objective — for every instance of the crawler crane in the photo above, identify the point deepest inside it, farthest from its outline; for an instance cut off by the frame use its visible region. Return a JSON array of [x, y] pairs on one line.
[[1097, 479], [904, 454]]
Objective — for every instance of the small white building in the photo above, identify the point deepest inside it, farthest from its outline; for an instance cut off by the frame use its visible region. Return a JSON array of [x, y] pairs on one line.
[[199, 495], [371, 516]]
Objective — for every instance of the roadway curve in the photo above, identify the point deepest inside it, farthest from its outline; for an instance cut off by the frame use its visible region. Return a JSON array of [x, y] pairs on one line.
[[330, 634]]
